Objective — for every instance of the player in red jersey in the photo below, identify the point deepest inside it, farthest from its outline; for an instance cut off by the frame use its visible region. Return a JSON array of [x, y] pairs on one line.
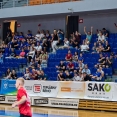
[[23, 100]]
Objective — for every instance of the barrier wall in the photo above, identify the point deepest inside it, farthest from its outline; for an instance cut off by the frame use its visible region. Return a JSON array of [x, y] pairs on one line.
[[83, 95]]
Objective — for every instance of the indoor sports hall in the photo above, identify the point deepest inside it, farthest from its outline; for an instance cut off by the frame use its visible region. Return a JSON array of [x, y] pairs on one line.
[[58, 58]]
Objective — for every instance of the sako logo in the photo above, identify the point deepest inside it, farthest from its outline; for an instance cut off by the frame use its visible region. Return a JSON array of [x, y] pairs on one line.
[[37, 88], [99, 87]]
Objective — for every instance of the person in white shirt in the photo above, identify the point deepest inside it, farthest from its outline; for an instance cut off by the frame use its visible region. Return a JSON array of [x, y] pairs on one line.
[[77, 77], [38, 47], [37, 36], [101, 37], [66, 44], [84, 47]]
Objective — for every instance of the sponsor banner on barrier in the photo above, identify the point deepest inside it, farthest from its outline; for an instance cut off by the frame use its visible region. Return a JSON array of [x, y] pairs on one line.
[[8, 87], [114, 92], [2, 98], [11, 99], [98, 90], [71, 90], [55, 102], [42, 88]]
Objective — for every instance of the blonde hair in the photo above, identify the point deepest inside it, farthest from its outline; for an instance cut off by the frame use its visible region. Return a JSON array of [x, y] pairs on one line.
[[21, 80]]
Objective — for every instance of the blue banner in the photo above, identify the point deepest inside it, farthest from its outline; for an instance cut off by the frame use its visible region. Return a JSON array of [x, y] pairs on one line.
[[8, 87]]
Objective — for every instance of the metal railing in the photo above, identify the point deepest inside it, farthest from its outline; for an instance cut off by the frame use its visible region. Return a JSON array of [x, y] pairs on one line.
[[20, 3]]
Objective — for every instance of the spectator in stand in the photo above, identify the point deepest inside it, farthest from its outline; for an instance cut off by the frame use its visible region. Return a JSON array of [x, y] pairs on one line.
[[81, 57], [102, 72], [77, 35], [86, 70], [32, 64], [61, 76], [45, 45], [101, 61], [80, 65], [105, 32], [27, 74], [70, 66], [38, 47], [109, 61], [94, 48], [48, 36], [115, 25], [66, 44], [60, 35], [13, 75], [22, 54], [101, 37], [43, 76], [29, 35], [8, 36], [107, 47], [43, 56], [75, 56], [86, 77], [74, 42], [21, 36], [12, 53], [33, 75], [100, 48], [68, 56], [89, 34], [77, 77], [14, 44], [84, 47], [68, 76], [37, 36], [42, 35], [55, 40], [8, 73], [31, 54], [61, 66], [2, 47]]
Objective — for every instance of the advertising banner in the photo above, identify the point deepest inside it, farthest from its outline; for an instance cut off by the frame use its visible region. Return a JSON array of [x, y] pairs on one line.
[[42, 88], [55, 102], [71, 89], [8, 87], [98, 90], [114, 92]]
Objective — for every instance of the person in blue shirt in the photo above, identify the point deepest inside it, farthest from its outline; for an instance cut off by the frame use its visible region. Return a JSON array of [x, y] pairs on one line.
[[16, 36], [88, 34], [61, 35], [29, 35], [21, 36]]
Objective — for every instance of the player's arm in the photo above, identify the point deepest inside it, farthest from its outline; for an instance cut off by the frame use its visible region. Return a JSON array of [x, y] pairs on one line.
[[21, 101]]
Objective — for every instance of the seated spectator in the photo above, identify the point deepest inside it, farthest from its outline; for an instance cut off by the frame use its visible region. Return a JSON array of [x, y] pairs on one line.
[[80, 65], [75, 56], [68, 76], [86, 77], [74, 42], [22, 54], [29, 35], [48, 34], [38, 47], [12, 53], [27, 74], [32, 64], [61, 76], [61, 66], [70, 66], [94, 48], [60, 35], [105, 32], [102, 72], [107, 47], [100, 48], [84, 47], [68, 56], [37, 36], [77, 35], [77, 77], [101, 61], [96, 76], [101, 37], [33, 75], [109, 61], [21, 36], [45, 45], [14, 44], [1, 57], [80, 58], [8, 73], [86, 70], [66, 44], [89, 34], [13, 75], [42, 76], [43, 57]]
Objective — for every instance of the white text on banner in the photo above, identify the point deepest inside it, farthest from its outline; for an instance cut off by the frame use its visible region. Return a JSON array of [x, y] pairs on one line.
[[98, 90], [70, 89], [42, 88]]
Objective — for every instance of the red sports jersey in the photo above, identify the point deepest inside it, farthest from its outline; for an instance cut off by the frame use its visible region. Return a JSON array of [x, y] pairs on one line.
[[24, 108]]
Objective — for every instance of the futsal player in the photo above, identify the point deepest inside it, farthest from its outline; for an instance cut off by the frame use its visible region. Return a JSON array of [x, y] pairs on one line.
[[23, 100]]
